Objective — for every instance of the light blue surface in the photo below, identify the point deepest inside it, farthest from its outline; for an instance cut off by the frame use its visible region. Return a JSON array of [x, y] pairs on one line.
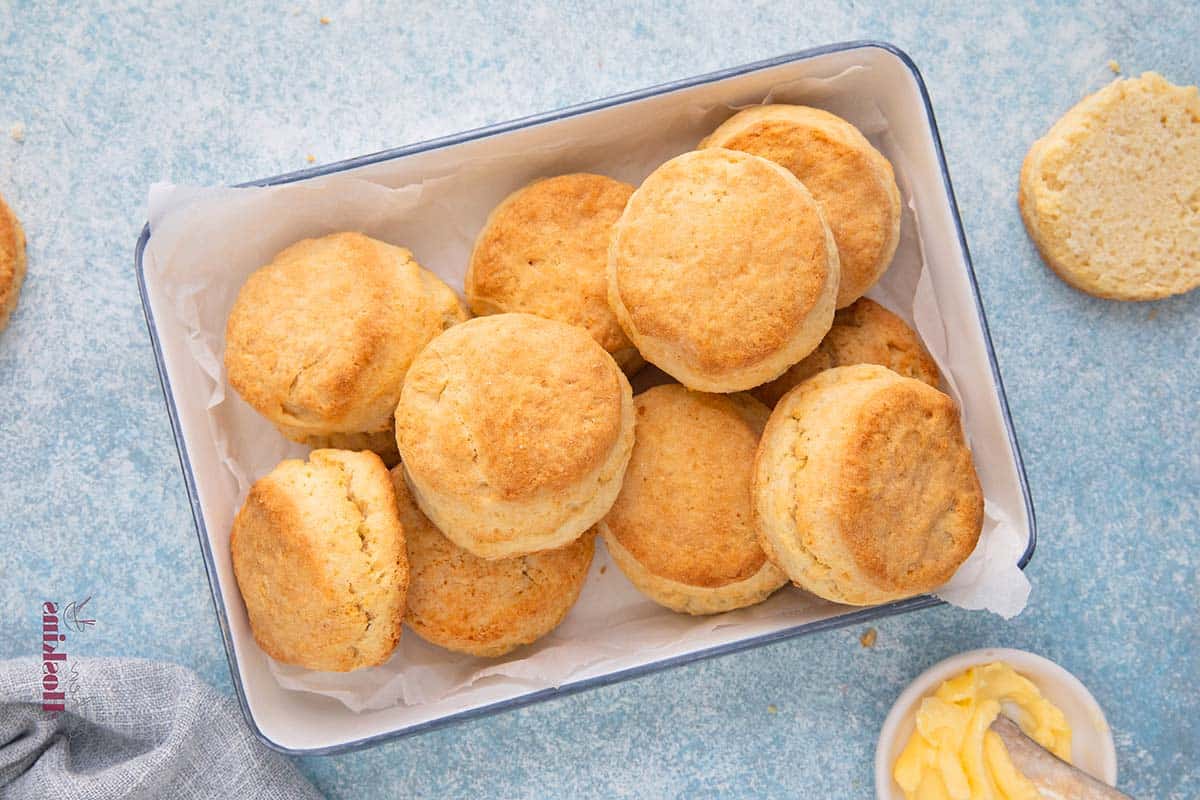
[[1104, 395]]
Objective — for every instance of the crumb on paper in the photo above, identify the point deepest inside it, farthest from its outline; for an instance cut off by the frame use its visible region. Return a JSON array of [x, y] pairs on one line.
[[603, 568], [1153, 313], [1114, 66], [310, 158], [868, 638], [325, 20], [17, 132], [772, 709]]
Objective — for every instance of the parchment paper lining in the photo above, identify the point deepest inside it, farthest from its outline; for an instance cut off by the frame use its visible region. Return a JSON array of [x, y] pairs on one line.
[[207, 241]]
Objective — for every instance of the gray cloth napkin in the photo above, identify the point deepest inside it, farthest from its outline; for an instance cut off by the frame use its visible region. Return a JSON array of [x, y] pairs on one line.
[[132, 729]]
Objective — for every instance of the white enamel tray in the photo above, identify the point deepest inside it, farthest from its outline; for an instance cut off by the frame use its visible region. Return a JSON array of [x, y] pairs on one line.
[[298, 722]]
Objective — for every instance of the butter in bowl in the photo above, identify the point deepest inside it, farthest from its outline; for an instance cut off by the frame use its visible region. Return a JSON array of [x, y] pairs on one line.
[[994, 723]]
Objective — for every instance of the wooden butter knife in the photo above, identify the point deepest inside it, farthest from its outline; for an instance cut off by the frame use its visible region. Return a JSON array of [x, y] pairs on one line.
[[1054, 778]]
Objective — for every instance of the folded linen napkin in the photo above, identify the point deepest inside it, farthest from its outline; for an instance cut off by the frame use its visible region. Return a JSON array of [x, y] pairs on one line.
[[131, 728]]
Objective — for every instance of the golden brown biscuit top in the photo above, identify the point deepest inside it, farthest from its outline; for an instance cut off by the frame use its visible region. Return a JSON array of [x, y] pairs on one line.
[[863, 333], [329, 326], [851, 180], [684, 509], [906, 493], [510, 404], [722, 251], [12, 260], [466, 597], [544, 251]]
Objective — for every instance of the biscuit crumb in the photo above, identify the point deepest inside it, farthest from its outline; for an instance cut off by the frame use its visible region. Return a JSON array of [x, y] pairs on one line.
[[17, 132], [868, 638], [1114, 66], [1149, 146], [325, 20], [1152, 315], [310, 158], [603, 568], [772, 709]]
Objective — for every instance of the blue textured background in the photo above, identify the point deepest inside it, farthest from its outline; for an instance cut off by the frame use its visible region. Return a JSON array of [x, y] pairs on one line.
[[1104, 395]]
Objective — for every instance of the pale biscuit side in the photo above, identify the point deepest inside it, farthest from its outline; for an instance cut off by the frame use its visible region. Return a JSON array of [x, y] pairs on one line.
[[686, 598], [785, 453], [318, 553]]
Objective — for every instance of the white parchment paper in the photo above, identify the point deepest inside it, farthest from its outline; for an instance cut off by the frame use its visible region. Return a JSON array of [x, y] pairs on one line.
[[207, 241]]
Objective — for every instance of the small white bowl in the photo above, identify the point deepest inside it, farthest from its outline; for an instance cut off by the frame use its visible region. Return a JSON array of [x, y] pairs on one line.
[[1092, 748]]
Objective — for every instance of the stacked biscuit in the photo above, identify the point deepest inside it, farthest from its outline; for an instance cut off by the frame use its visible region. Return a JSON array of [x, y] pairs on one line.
[[738, 269]]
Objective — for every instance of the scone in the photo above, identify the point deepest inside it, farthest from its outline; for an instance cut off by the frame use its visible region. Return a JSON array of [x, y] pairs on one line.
[[12, 262], [1111, 195], [864, 489], [514, 432], [722, 270], [318, 552], [319, 340], [853, 182], [544, 251], [862, 333], [485, 608], [681, 529]]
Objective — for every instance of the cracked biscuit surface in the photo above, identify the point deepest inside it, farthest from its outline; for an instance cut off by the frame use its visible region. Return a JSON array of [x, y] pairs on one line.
[[514, 433], [864, 488], [319, 556], [318, 341], [722, 270], [682, 529], [468, 604]]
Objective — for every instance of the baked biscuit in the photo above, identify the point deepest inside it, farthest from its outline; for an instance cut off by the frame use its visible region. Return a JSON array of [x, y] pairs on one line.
[[862, 333], [319, 340], [544, 251], [318, 553], [681, 529], [853, 182], [485, 608], [722, 270], [12, 262], [864, 489], [1111, 195], [514, 432]]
